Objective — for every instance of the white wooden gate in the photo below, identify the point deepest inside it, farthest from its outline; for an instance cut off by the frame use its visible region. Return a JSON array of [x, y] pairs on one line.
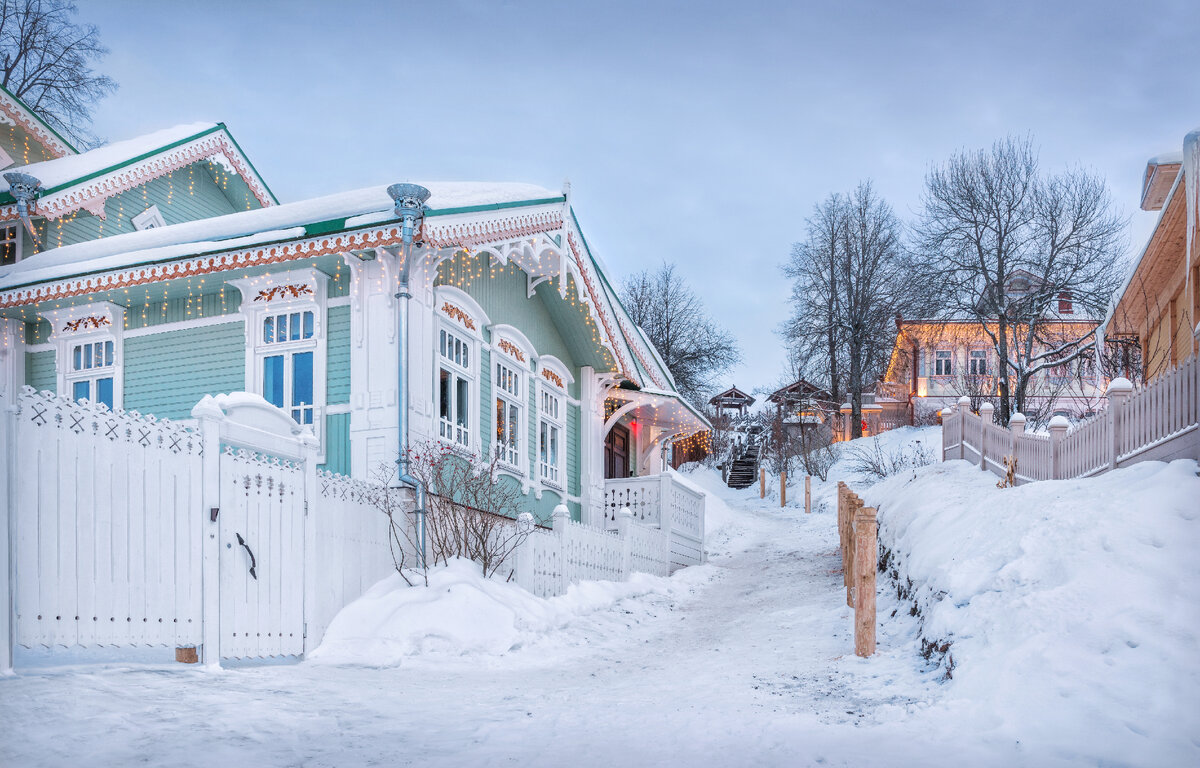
[[261, 555], [258, 528]]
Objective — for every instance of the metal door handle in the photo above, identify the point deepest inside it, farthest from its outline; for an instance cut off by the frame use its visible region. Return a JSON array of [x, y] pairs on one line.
[[253, 564]]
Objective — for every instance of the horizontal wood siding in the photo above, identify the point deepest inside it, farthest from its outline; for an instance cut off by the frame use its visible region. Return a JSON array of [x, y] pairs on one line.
[[339, 282], [167, 373], [337, 444], [37, 332], [187, 194], [23, 149], [39, 371], [337, 360], [215, 304]]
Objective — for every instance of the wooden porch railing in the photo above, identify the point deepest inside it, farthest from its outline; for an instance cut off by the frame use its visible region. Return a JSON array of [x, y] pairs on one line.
[[1159, 421]]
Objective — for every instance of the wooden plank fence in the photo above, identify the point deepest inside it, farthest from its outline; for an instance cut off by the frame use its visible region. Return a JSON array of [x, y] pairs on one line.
[[1158, 421], [859, 542]]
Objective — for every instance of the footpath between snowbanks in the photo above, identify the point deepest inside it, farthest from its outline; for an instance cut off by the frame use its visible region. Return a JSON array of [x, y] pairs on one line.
[[1069, 611]]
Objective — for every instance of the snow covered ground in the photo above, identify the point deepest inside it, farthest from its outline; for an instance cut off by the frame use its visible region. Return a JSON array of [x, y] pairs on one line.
[[1061, 659]]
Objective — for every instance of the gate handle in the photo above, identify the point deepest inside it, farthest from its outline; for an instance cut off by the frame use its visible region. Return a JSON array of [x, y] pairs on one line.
[[253, 564]]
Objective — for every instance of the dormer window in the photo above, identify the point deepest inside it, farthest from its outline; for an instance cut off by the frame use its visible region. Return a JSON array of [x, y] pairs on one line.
[[1065, 305], [1018, 285], [148, 219]]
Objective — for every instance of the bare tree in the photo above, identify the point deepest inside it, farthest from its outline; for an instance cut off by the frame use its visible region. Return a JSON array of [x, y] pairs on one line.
[[47, 62], [695, 349], [1001, 243], [813, 332], [849, 282]]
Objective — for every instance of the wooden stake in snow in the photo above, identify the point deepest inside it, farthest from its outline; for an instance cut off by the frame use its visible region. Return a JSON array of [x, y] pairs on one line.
[[866, 552], [807, 494], [783, 489], [762, 483]]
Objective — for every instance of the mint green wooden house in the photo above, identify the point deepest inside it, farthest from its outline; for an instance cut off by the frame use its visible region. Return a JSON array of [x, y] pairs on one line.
[[152, 272]]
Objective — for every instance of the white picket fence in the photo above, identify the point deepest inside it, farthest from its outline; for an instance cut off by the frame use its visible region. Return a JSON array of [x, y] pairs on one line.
[[550, 561], [107, 551], [1158, 421], [124, 530], [661, 501]]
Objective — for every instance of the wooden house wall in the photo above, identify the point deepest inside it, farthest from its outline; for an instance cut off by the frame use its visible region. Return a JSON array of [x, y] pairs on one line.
[[168, 373]]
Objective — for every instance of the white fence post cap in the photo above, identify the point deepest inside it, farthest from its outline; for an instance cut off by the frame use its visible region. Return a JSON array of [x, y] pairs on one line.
[[561, 511], [625, 512], [987, 408], [1119, 386], [1059, 424], [964, 402], [1017, 422]]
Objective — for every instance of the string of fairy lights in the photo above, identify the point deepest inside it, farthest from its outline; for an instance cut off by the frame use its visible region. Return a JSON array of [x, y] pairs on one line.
[[52, 234], [465, 270]]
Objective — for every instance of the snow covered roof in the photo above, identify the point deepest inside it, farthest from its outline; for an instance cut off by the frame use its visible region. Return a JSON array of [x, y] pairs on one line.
[[1174, 157], [17, 112], [88, 179], [63, 170], [358, 207]]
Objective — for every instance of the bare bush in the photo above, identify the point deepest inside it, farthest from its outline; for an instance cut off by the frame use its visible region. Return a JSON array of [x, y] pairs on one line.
[[878, 463], [470, 511]]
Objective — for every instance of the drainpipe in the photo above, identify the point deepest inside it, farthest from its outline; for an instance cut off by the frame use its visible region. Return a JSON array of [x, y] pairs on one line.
[[24, 189], [410, 209]]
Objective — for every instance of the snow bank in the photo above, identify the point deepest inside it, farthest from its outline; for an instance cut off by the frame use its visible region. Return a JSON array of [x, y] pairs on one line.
[[1072, 608], [461, 613]]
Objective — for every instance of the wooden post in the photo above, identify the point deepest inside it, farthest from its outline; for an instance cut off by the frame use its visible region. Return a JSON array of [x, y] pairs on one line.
[[1016, 423], [960, 412], [558, 521], [1058, 430], [209, 416], [1118, 392], [852, 510], [866, 554], [783, 488], [985, 419], [807, 494], [762, 483]]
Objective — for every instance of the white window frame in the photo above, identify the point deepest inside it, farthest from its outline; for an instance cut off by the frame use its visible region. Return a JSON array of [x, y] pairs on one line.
[[974, 355], [938, 356], [15, 228], [460, 434], [505, 368], [88, 325], [455, 312], [285, 293], [150, 218], [547, 387]]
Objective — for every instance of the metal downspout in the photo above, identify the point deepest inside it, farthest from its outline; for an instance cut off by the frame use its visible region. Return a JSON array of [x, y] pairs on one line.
[[410, 208]]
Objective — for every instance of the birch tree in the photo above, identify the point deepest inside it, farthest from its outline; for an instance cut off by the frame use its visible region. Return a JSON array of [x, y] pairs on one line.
[[1000, 242]]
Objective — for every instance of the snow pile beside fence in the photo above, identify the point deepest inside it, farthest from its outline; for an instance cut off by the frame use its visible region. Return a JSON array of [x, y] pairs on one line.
[[1068, 610], [462, 613]]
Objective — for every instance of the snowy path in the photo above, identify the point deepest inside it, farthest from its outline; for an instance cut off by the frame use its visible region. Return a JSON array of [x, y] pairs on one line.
[[743, 664]]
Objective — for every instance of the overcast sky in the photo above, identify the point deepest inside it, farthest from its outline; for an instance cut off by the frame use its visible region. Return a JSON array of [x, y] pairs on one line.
[[700, 133]]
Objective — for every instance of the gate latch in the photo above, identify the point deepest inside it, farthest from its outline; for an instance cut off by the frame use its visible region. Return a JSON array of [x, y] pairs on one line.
[[212, 514], [253, 564]]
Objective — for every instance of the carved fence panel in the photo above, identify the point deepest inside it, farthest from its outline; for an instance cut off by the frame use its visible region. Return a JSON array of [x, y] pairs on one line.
[[106, 521]]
